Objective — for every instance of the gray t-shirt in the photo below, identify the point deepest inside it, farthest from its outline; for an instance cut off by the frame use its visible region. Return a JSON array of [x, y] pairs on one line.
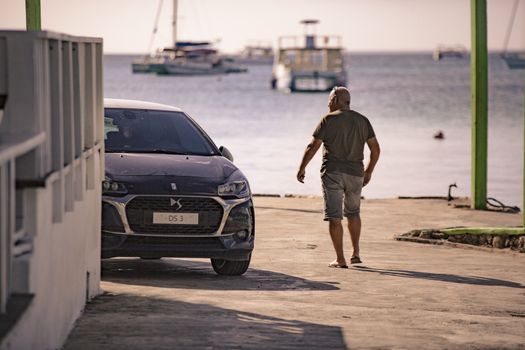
[[344, 134]]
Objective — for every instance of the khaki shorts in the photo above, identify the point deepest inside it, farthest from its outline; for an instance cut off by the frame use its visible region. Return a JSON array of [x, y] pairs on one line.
[[338, 188]]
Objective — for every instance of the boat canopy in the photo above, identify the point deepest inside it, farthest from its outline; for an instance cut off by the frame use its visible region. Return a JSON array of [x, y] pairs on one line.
[[182, 44], [312, 59], [188, 50], [311, 42]]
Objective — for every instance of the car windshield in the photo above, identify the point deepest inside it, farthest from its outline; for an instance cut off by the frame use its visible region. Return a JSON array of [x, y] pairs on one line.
[[145, 131]]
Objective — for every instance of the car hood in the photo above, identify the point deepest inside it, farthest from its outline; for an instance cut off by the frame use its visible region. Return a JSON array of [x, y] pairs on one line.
[[144, 164], [146, 173]]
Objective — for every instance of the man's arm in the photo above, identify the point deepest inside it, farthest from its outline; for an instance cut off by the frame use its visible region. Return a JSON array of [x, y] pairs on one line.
[[309, 153], [373, 145]]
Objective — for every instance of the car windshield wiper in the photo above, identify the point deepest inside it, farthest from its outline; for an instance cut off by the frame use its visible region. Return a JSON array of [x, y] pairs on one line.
[[204, 154], [181, 153], [155, 150], [161, 151]]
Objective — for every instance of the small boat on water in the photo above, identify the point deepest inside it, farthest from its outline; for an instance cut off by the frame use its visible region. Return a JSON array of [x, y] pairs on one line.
[[442, 52], [315, 65], [514, 60], [153, 63], [256, 54], [185, 57], [197, 58]]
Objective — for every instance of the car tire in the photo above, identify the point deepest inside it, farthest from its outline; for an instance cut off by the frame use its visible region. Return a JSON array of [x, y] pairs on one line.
[[230, 267]]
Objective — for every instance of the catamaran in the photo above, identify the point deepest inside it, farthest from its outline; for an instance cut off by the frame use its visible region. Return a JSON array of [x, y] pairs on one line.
[[185, 57], [316, 65], [197, 58]]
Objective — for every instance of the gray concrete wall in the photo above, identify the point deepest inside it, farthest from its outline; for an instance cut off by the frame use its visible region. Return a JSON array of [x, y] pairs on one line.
[[51, 168]]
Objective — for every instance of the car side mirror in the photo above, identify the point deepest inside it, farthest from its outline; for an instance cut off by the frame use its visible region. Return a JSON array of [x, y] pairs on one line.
[[226, 153]]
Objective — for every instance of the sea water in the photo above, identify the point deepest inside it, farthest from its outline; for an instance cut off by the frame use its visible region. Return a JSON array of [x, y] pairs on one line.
[[407, 97]]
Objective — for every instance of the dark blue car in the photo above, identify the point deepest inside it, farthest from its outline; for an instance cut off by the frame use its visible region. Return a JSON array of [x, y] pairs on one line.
[[170, 192]]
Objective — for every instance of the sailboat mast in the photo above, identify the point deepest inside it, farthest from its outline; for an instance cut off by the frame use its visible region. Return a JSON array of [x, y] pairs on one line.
[[511, 24], [174, 23]]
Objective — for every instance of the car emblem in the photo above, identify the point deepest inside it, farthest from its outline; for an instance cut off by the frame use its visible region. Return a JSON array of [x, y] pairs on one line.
[[173, 186], [175, 202]]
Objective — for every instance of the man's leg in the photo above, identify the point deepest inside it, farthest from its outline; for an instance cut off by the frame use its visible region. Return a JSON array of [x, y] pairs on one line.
[[333, 213], [354, 226], [353, 187], [336, 233]]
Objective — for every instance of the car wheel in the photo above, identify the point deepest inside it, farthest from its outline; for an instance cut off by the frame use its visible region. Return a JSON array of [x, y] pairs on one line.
[[230, 267]]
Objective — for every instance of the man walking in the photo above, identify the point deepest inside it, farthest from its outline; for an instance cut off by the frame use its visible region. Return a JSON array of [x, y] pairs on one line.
[[343, 132]]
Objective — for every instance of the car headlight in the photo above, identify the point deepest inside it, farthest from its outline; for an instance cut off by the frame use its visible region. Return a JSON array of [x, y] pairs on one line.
[[110, 187], [234, 188]]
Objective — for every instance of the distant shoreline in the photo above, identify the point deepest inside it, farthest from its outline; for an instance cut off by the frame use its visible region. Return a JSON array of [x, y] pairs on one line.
[[354, 53]]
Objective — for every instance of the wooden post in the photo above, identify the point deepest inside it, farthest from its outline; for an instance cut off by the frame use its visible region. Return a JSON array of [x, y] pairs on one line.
[[33, 15], [479, 78]]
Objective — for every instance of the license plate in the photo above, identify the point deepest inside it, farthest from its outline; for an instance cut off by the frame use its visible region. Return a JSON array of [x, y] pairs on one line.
[[176, 218]]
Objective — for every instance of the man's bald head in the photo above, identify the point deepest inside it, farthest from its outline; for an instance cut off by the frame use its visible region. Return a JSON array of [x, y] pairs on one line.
[[339, 99]]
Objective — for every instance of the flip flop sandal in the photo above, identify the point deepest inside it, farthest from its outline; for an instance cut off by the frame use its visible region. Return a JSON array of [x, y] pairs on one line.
[[338, 266], [355, 260]]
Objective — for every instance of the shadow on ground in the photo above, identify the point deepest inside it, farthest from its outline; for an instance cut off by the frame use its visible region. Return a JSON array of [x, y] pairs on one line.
[[309, 211], [474, 280], [136, 322], [191, 274]]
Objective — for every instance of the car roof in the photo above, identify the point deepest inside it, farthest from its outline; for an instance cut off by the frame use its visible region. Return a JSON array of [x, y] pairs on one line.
[[135, 104]]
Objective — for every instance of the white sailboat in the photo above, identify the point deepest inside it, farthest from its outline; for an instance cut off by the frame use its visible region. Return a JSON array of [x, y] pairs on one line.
[[152, 62], [514, 60], [185, 57], [198, 58]]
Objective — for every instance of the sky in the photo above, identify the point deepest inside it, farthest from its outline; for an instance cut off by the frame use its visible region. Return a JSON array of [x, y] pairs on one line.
[[364, 25]]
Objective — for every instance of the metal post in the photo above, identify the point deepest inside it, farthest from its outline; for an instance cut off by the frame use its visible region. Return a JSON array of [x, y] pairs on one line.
[[174, 23], [33, 15], [479, 78], [523, 207]]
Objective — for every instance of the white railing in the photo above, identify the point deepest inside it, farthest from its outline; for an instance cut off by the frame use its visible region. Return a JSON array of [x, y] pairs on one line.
[[50, 138]]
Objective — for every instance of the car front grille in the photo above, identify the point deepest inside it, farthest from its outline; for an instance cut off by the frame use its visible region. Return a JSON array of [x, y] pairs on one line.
[[139, 212]]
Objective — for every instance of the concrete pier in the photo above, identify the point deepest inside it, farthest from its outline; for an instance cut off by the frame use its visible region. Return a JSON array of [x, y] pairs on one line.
[[405, 295]]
